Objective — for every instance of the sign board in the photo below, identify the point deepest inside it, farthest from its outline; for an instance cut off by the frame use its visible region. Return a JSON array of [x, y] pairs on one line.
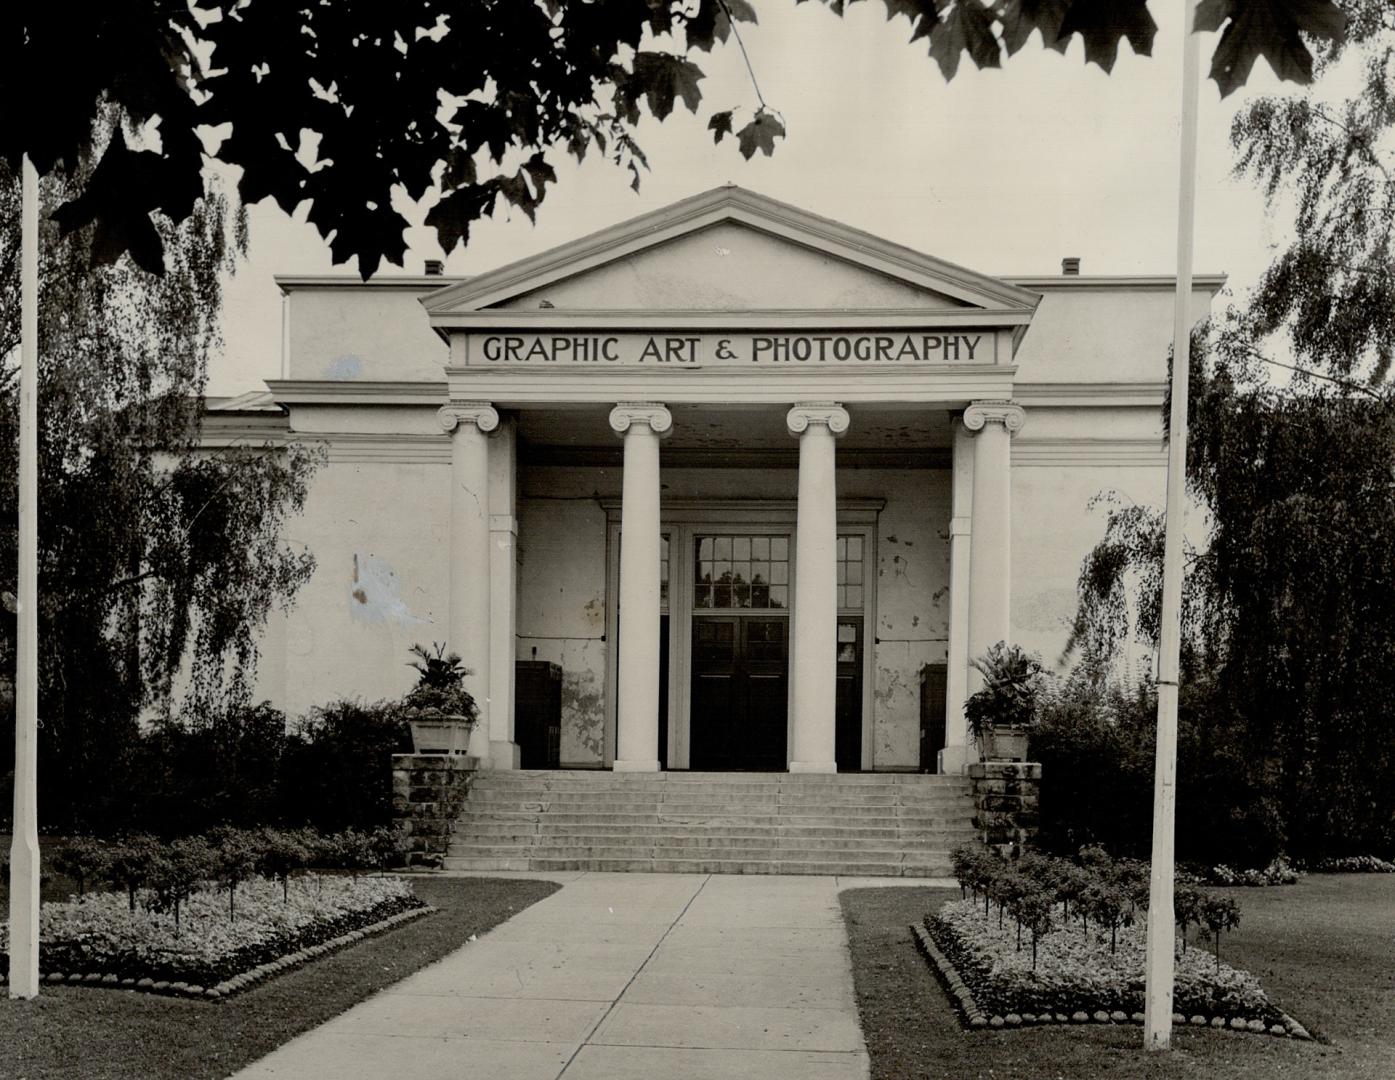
[[734, 350]]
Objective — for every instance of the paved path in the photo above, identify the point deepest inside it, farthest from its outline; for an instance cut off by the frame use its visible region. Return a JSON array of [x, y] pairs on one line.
[[613, 977]]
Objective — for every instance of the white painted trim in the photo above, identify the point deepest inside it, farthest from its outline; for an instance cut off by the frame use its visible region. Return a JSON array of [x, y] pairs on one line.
[[1076, 394], [1029, 453], [674, 320], [922, 384], [365, 392], [1211, 283]]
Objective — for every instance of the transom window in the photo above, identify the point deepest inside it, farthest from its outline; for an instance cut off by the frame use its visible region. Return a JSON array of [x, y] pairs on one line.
[[850, 580], [741, 572]]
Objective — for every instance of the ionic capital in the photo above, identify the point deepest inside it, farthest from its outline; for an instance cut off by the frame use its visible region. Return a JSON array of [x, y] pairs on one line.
[[1007, 413], [480, 413], [828, 413], [627, 413]]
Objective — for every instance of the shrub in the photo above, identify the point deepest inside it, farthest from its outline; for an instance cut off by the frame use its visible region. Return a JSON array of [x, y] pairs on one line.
[[178, 872], [84, 859], [335, 773], [236, 854], [130, 863]]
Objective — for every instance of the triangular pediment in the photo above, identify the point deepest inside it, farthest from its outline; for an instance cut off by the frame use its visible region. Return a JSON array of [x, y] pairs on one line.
[[729, 250]]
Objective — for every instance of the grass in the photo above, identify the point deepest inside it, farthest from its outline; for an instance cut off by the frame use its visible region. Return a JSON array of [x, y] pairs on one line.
[[71, 1031], [1321, 949]]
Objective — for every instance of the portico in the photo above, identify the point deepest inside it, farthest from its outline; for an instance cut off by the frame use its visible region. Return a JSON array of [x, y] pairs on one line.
[[754, 484]]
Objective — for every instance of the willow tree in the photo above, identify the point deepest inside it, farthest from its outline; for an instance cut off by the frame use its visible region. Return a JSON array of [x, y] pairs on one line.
[[159, 561]]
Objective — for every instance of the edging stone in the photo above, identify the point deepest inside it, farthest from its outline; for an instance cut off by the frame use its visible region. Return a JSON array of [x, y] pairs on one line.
[[241, 981], [974, 1016]]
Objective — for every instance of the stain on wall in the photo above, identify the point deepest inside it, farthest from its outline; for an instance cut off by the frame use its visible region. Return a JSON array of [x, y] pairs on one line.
[[374, 593]]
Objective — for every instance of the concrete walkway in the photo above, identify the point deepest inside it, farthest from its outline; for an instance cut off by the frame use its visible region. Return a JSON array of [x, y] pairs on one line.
[[618, 976]]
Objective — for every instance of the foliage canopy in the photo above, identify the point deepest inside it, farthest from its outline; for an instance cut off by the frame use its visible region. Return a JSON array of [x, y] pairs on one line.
[[342, 103]]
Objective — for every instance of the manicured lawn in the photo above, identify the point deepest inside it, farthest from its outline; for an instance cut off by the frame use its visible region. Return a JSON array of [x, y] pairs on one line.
[[1324, 950], [97, 1034]]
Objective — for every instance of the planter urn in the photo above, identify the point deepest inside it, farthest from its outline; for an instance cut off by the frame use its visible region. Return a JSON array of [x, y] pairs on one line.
[[441, 734], [1005, 744]]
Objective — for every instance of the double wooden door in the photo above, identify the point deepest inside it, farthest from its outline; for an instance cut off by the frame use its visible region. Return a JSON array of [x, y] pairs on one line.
[[740, 692]]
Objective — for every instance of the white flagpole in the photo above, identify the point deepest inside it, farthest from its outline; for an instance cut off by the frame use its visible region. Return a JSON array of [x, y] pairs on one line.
[[1162, 939], [24, 844]]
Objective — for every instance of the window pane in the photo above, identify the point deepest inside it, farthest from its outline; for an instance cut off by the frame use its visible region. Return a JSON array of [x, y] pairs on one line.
[[760, 571], [780, 548], [760, 547], [842, 547], [779, 573], [842, 572], [854, 597], [741, 548], [760, 596], [704, 571], [721, 596], [705, 548], [702, 596], [721, 572], [722, 547], [741, 571], [842, 596], [855, 548], [854, 573], [779, 596], [741, 596]]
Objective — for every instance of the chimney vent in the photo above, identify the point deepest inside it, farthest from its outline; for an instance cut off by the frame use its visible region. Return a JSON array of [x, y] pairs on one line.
[[1070, 266], [435, 267]]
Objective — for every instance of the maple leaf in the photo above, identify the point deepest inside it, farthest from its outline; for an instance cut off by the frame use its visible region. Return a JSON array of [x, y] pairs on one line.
[[663, 77], [967, 27], [923, 15], [712, 22], [760, 134], [1102, 23], [720, 125], [1269, 28], [454, 214], [1020, 17]]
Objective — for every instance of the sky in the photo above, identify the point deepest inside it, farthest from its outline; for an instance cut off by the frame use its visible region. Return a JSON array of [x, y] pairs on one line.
[[1003, 171]]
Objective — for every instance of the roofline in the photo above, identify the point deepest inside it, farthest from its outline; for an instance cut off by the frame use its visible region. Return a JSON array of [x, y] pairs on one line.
[[425, 283]]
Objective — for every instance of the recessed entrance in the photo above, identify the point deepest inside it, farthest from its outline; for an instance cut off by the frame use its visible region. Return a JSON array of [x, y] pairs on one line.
[[740, 650], [740, 691]]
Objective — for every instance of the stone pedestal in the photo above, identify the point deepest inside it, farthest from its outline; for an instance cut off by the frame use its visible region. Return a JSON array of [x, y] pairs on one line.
[[428, 791], [1006, 801]]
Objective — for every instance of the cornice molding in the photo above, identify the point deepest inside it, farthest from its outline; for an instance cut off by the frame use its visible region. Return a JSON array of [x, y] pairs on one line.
[[706, 457], [828, 414], [480, 413], [651, 413], [1009, 414], [357, 392]]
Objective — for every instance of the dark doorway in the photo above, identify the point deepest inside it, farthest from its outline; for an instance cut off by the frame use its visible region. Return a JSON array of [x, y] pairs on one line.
[[934, 687], [848, 732], [740, 692]]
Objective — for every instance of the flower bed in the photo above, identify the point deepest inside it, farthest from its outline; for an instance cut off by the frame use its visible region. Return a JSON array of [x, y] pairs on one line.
[[98, 939], [1046, 940]]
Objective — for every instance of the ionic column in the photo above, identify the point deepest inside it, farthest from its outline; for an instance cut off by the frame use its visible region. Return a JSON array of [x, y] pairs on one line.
[[470, 423], [503, 590], [814, 637], [956, 753], [990, 551], [641, 424]]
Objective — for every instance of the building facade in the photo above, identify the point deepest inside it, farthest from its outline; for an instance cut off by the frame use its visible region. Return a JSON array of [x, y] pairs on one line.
[[760, 484]]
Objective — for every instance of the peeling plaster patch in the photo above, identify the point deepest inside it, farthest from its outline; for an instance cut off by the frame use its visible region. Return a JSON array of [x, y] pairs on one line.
[[374, 594], [915, 620], [583, 716], [892, 540], [594, 611], [345, 367]]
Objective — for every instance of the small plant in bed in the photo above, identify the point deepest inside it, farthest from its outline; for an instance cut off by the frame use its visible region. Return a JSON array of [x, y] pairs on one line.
[[1050, 940], [209, 915]]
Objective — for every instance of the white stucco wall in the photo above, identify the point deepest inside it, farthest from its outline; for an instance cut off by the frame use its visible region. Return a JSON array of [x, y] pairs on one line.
[[355, 332], [380, 535]]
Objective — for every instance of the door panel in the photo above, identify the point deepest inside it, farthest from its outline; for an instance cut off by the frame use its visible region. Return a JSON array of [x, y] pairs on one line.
[[848, 710], [740, 692]]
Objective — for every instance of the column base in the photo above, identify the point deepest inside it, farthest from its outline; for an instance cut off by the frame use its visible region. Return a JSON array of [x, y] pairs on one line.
[[955, 760], [503, 754], [813, 766], [622, 765]]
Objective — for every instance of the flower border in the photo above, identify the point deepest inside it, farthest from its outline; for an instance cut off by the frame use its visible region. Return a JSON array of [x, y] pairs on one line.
[[252, 976], [972, 1015]]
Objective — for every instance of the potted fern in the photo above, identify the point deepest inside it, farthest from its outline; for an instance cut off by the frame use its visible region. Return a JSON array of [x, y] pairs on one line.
[[1003, 711], [439, 709]]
